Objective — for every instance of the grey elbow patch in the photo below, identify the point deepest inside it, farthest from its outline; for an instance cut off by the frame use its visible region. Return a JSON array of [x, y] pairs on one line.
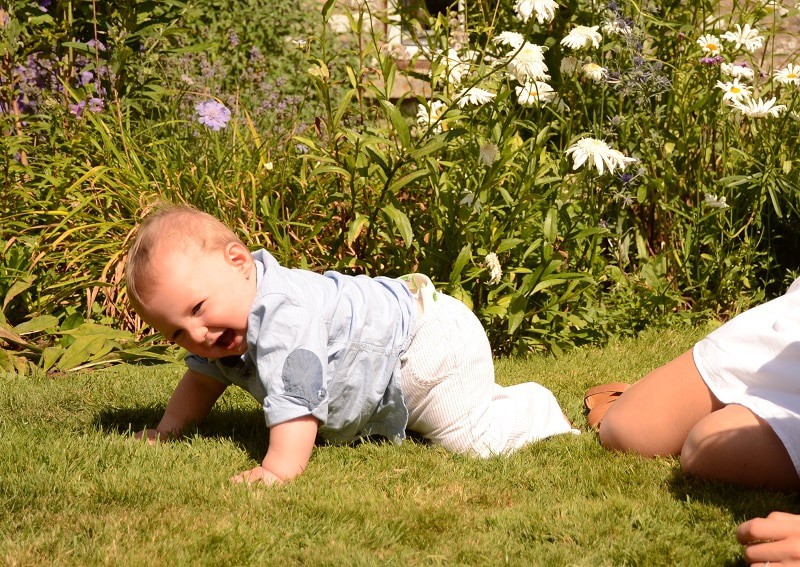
[[302, 377]]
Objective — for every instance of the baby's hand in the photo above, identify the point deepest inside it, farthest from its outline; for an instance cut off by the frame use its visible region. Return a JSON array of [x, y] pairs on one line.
[[256, 474], [151, 435]]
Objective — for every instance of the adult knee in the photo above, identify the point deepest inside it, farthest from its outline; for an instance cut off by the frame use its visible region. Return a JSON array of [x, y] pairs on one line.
[[693, 457], [615, 432]]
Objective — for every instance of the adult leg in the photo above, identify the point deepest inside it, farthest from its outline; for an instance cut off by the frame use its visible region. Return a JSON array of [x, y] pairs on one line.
[[655, 415], [735, 445]]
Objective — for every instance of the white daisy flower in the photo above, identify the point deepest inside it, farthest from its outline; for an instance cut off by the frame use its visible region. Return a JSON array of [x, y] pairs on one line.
[[534, 93], [427, 117], [488, 153], [595, 72], [455, 66], [545, 10], [789, 75], [746, 37], [568, 65], [599, 154], [738, 71], [734, 91], [710, 44], [616, 27], [527, 64], [711, 200], [474, 96], [495, 271], [759, 108], [511, 39], [581, 36]]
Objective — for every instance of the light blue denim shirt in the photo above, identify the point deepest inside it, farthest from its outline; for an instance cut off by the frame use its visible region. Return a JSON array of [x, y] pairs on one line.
[[326, 345]]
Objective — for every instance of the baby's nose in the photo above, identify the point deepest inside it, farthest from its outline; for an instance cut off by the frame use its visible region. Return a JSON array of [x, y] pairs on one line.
[[198, 334]]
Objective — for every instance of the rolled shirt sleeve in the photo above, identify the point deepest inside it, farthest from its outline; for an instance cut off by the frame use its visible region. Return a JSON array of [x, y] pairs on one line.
[[290, 343]]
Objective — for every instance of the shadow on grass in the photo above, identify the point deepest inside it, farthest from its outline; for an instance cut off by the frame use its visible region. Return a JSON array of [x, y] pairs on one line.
[[243, 427], [743, 503]]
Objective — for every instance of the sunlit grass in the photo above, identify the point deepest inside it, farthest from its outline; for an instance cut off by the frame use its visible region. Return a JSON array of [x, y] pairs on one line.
[[76, 489]]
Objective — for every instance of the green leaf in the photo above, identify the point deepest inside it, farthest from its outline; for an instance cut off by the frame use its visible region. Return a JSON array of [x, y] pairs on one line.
[[550, 225], [516, 312], [327, 7], [16, 288], [344, 105], [37, 325], [433, 145], [401, 223], [50, 356], [98, 330], [356, 227], [508, 244], [463, 257], [399, 123], [398, 184], [81, 351], [6, 361]]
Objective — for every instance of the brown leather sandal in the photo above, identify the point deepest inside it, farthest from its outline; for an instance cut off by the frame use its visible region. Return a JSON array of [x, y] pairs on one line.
[[597, 400]]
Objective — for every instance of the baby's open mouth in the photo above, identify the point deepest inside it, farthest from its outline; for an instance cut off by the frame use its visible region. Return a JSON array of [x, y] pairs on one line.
[[226, 338]]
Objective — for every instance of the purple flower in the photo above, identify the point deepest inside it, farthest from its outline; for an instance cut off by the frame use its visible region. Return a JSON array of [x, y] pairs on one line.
[[77, 108], [44, 5], [85, 77], [97, 44], [213, 114], [95, 104], [716, 60], [233, 38]]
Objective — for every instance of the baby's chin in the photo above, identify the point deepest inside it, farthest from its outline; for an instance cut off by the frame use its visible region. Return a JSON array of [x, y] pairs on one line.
[[233, 345]]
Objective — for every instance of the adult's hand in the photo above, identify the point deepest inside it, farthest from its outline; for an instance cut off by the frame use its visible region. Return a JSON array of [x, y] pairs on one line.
[[774, 540]]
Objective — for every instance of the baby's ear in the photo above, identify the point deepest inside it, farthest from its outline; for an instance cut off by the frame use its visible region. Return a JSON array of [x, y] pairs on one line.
[[238, 255]]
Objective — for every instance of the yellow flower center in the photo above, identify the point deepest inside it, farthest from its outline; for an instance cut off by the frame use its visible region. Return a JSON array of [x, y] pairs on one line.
[[735, 90], [711, 46]]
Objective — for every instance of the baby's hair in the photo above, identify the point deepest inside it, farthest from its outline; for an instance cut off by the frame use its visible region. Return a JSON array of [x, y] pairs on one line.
[[184, 228]]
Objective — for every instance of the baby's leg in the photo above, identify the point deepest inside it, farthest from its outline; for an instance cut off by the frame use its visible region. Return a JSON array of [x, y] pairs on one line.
[[656, 414], [447, 378], [734, 445]]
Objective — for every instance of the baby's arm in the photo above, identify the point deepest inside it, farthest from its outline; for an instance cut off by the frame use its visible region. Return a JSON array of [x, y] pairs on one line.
[[190, 403], [290, 446]]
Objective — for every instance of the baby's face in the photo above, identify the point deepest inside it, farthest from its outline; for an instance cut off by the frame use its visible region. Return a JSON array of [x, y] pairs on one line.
[[201, 301]]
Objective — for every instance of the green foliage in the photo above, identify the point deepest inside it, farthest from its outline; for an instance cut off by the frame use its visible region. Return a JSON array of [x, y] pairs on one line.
[[321, 163]]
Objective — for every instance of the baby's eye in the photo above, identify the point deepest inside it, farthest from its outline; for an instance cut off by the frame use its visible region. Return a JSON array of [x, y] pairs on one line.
[[196, 308], [174, 338]]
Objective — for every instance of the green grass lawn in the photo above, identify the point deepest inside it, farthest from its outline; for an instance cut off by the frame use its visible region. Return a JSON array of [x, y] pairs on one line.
[[77, 489]]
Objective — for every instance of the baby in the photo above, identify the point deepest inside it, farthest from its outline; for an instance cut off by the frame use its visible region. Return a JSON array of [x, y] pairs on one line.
[[326, 355]]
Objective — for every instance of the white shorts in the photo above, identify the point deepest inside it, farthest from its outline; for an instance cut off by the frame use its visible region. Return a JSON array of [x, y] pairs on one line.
[[754, 361], [447, 378]]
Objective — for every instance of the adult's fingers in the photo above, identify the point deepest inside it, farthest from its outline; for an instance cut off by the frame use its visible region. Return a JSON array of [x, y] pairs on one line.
[[781, 552]]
